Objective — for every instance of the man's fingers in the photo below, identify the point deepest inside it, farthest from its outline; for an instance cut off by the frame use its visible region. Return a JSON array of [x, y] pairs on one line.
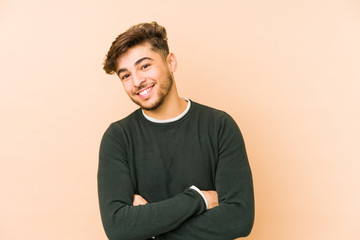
[[212, 198], [139, 200]]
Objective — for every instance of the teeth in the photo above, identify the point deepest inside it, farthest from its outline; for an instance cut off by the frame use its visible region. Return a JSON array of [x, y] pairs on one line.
[[144, 91]]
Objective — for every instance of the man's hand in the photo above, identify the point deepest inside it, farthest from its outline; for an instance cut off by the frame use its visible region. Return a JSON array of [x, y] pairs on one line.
[[212, 198], [139, 200]]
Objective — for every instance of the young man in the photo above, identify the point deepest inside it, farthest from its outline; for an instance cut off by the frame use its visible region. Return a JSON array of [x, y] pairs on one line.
[[173, 169]]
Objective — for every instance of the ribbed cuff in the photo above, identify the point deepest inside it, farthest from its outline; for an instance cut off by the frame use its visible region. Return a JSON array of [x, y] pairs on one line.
[[202, 195]]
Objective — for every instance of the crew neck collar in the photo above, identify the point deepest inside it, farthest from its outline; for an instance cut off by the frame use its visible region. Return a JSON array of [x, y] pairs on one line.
[[151, 119]]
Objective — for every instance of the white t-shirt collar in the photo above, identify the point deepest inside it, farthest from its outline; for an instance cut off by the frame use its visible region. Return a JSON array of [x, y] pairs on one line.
[[170, 119]]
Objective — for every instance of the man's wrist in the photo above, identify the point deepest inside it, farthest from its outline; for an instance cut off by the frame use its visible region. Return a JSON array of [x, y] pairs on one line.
[[202, 195]]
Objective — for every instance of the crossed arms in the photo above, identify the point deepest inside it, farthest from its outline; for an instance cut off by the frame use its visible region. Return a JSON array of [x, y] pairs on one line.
[[210, 196], [126, 215]]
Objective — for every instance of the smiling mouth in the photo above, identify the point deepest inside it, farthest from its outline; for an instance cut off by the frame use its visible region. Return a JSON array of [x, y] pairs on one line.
[[145, 92]]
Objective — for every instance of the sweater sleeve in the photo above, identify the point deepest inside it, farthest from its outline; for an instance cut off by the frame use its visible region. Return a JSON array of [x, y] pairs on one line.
[[234, 216], [122, 220]]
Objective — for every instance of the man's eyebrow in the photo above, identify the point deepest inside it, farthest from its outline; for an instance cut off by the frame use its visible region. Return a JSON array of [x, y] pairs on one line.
[[136, 63]]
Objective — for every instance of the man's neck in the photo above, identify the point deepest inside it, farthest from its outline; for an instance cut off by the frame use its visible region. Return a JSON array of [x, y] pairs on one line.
[[170, 108]]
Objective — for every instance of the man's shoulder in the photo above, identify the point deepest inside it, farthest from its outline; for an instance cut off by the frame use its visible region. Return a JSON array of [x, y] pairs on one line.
[[211, 116], [126, 122], [205, 110]]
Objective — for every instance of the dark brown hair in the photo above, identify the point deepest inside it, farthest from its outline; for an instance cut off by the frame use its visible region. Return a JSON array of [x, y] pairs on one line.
[[138, 34]]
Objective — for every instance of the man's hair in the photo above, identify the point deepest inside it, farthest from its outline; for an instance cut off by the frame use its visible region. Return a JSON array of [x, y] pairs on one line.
[[138, 34]]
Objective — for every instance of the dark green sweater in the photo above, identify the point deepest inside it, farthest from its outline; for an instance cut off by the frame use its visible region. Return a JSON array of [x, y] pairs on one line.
[[160, 161]]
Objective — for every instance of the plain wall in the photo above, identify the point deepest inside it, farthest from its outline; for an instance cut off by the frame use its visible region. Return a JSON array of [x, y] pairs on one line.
[[287, 71]]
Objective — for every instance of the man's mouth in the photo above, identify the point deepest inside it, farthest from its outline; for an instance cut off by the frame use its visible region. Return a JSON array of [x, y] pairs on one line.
[[146, 91]]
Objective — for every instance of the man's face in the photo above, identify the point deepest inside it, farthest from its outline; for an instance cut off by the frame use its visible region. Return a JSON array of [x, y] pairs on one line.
[[146, 76]]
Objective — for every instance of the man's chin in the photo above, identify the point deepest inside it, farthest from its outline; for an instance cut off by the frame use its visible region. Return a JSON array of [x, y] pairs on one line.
[[148, 107]]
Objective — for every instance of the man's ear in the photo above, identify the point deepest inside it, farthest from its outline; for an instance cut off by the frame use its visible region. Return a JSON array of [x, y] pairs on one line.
[[171, 61]]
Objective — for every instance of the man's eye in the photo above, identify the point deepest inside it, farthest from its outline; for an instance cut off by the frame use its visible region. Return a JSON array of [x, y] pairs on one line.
[[145, 66], [125, 76]]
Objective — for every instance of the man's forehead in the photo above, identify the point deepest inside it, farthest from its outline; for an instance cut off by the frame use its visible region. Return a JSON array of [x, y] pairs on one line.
[[131, 56]]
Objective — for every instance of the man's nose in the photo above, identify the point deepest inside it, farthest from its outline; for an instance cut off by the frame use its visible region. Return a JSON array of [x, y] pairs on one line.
[[138, 79]]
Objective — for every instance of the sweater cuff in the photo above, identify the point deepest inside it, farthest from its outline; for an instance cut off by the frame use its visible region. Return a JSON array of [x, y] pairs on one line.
[[202, 195]]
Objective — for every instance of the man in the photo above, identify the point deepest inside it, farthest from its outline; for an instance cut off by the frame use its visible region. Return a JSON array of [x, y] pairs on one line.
[[173, 169]]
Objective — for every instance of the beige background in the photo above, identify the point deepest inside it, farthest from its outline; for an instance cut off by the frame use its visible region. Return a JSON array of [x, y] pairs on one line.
[[287, 71]]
